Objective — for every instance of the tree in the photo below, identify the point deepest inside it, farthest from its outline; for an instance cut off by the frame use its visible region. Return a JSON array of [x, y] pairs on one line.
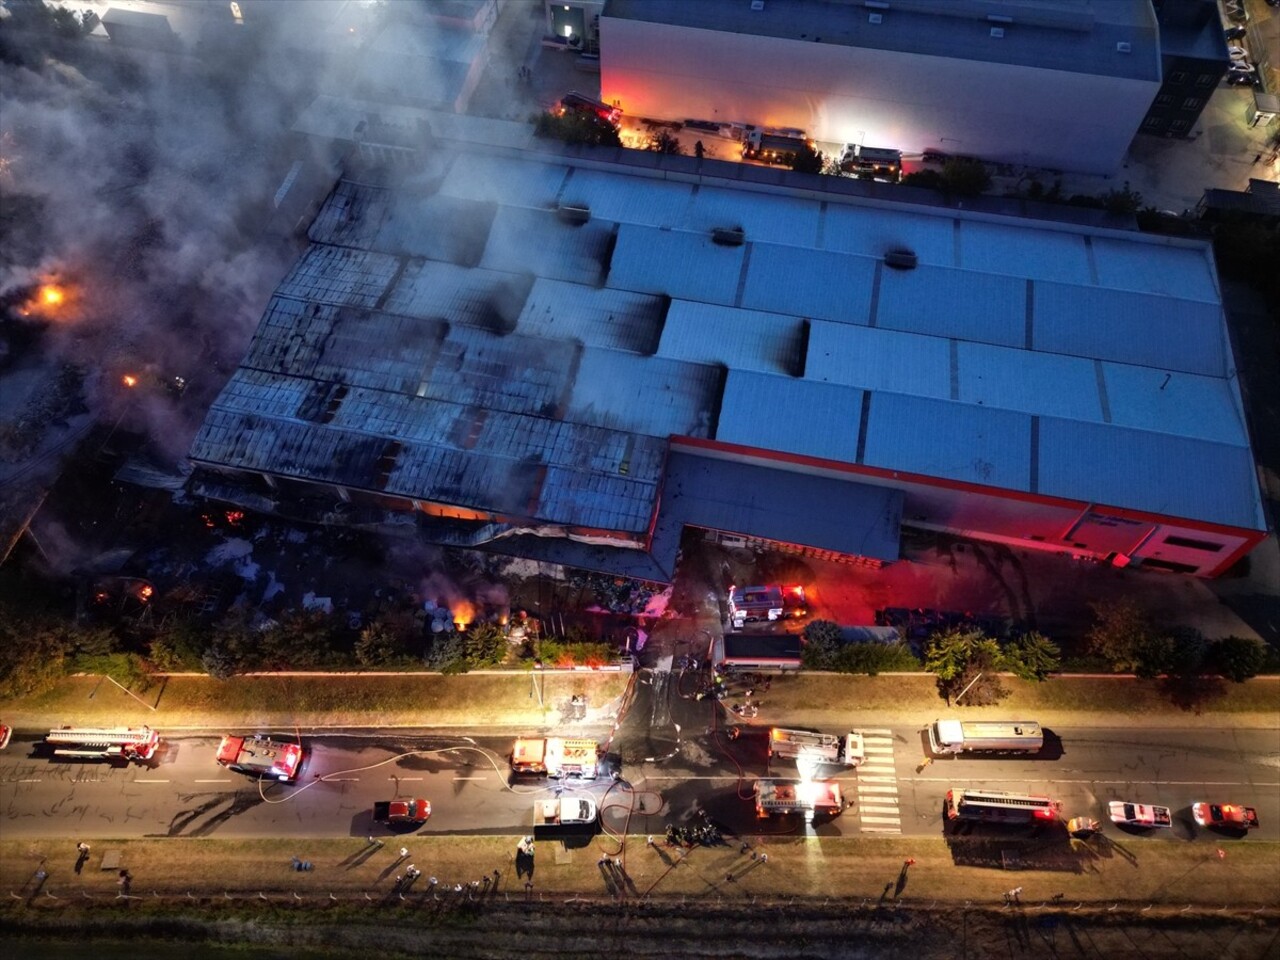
[[962, 177], [33, 656], [666, 142], [447, 652], [1238, 658], [821, 642], [927, 178], [807, 160], [302, 639], [966, 662], [1122, 201], [577, 128], [180, 646], [219, 662], [1031, 656], [378, 646], [1122, 635], [872, 658], [484, 645]]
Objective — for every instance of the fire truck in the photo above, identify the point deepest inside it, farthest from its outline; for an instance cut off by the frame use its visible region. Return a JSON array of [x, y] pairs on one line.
[[805, 746], [766, 604], [809, 797], [261, 757], [557, 757], [137, 744]]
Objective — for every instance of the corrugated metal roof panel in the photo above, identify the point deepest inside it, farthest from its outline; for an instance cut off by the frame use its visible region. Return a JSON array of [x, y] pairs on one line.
[[809, 283], [1040, 383], [879, 359], [944, 302], [687, 266], [437, 227], [1179, 403], [596, 317], [1170, 476], [654, 203], [742, 339], [505, 179], [1139, 328], [649, 395], [797, 416], [1173, 271], [1040, 254], [872, 232], [339, 275], [765, 217], [954, 441], [538, 242], [433, 289], [352, 215], [596, 501]]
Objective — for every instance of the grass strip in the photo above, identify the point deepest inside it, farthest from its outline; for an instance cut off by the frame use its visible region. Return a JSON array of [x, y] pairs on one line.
[[1136, 872]]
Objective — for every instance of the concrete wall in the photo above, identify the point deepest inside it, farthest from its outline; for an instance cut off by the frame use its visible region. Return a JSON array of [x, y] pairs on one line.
[[838, 94]]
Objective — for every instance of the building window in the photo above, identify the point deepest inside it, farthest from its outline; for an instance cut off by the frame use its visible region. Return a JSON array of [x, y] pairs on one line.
[[1151, 123], [1180, 126], [1164, 100], [1177, 77], [1192, 103], [1206, 80], [1169, 565], [1208, 545]]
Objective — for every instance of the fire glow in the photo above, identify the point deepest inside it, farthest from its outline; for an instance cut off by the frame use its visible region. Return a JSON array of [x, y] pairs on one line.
[[129, 380], [463, 613]]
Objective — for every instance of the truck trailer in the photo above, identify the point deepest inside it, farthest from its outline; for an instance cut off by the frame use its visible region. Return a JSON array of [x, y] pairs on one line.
[[951, 737], [806, 746], [556, 757], [564, 811]]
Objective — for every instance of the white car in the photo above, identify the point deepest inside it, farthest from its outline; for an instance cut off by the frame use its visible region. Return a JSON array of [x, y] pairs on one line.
[[1139, 814]]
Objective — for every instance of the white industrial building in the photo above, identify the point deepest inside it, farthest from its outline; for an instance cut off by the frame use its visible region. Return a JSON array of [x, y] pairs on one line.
[[574, 357], [1057, 84]]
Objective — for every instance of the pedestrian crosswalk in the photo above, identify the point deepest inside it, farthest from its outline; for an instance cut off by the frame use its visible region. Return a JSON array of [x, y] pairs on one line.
[[878, 807]]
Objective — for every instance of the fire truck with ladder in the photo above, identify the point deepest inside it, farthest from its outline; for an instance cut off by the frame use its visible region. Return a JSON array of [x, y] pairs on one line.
[[138, 744]]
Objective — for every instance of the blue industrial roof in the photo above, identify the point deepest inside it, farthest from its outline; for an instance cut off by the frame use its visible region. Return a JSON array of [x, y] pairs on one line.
[[539, 367]]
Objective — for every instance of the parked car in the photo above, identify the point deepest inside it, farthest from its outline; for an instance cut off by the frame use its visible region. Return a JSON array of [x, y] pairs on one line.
[[1139, 814], [5, 734], [1234, 33], [1243, 79], [1237, 53], [1229, 815]]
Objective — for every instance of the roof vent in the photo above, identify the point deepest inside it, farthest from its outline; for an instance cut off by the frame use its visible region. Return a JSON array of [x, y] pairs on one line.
[[728, 236], [1124, 47], [875, 18], [997, 32], [900, 259], [575, 213], [757, 5]]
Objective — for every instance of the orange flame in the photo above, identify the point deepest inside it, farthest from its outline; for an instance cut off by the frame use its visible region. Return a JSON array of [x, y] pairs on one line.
[[129, 380], [146, 591], [234, 517], [463, 613], [52, 295]]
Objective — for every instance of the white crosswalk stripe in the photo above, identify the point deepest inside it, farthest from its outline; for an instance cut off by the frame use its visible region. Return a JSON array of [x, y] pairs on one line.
[[877, 785]]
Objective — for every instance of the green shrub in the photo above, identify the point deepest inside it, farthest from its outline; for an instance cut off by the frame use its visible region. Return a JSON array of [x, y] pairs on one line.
[[1238, 658]]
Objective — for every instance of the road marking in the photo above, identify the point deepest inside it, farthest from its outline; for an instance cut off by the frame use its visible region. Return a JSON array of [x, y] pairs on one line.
[[870, 749], [213, 781], [151, 781], [881, 829], [877, 768], [28, 781], [877, 788], [897, 820], [404, 779], [881, 779], [342, 779], [470, 778], [894, 811]]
